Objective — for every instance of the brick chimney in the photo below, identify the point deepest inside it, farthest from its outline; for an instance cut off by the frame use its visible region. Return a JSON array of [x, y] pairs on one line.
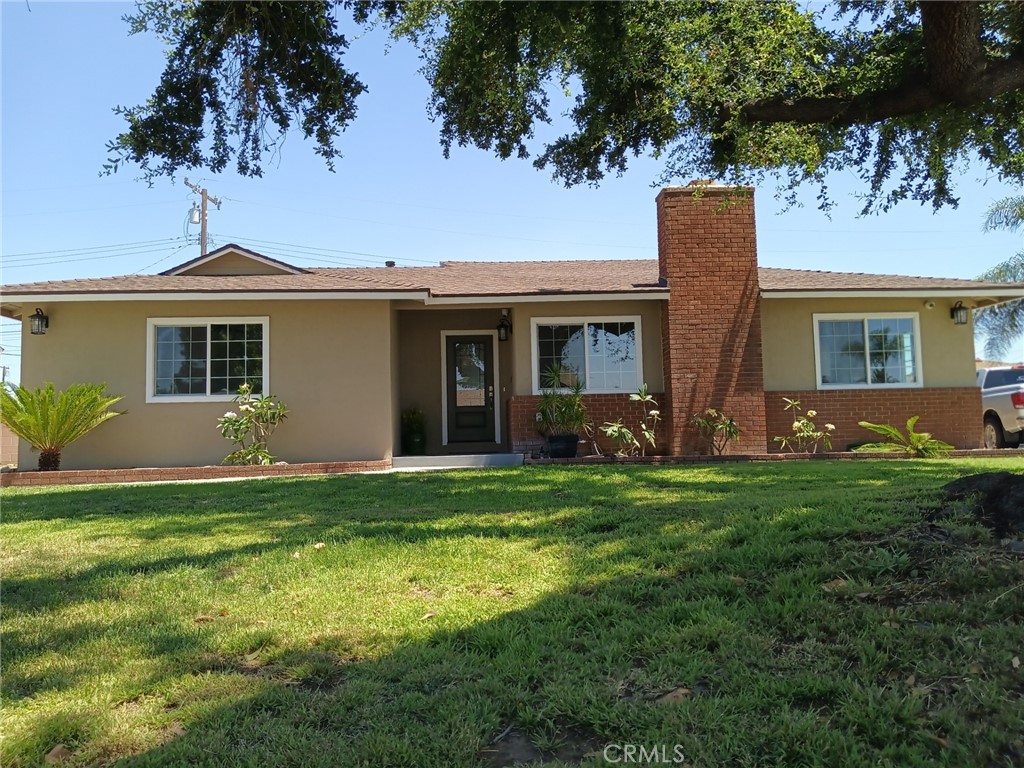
[[711, 329]]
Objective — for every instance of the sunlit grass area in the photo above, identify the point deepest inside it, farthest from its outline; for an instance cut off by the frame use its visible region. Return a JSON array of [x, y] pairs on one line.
[[748, 615]]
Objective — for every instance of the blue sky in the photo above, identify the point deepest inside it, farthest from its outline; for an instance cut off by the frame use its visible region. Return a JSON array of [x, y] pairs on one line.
[[393, 195]]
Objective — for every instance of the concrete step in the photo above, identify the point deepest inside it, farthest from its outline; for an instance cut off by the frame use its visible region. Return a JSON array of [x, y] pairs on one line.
[[453, 462]]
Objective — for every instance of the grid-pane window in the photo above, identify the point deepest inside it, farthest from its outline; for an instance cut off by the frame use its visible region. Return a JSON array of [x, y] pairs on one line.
[[604, 354], [612, 356], [891, 350], [842, 352], [204, 358], [181, 360], [236, 357], [868, 351], [560, 347]]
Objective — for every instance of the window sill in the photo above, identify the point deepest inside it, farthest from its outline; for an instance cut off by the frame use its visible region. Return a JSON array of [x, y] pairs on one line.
[[156, 399], [868, 387]]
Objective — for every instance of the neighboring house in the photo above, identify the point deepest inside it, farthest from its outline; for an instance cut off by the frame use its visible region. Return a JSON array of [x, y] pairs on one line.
[[348, 349], [8, 447]]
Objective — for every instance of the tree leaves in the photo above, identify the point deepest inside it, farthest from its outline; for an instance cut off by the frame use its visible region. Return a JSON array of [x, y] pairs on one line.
[[732, 91]]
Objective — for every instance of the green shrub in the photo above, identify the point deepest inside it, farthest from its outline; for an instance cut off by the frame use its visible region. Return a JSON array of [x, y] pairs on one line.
[[251, 427], [50, 420], [920, 444], [716, 428]]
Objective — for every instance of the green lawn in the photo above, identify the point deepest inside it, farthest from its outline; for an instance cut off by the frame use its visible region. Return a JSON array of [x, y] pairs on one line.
[[754, 615]]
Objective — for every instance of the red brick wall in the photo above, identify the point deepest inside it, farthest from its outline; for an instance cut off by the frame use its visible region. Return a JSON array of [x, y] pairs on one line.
[[522, 420], [950, 414], [711, 331]]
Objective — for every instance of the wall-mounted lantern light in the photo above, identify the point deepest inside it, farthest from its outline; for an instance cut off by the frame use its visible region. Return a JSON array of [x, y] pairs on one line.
[[960, 314], [504, 326], [38, 323]]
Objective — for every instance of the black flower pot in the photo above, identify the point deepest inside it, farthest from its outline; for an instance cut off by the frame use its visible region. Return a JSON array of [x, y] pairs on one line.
[[563, 446]]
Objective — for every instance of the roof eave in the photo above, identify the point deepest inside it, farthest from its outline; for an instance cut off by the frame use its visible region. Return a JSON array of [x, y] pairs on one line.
[[982, 296]]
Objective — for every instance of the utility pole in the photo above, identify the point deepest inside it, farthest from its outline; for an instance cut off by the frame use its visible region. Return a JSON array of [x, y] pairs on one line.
[[201, 191]]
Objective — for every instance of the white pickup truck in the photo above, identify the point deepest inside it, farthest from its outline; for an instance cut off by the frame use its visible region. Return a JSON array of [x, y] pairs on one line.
[[1002, 403]]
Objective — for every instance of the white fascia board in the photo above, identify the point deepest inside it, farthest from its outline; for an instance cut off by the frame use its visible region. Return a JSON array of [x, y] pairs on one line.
[[1003, 294], [335, 295], [524, 298], [228, 296]]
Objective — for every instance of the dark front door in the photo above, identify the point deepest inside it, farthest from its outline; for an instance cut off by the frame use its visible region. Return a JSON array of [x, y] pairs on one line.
[[470, 373]]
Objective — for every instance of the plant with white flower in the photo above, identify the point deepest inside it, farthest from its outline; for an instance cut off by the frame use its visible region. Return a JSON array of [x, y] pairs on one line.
[[806, 436], [249, 429]]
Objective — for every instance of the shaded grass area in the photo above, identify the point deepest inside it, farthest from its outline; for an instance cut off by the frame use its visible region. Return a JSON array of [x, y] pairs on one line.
[[800, 614]]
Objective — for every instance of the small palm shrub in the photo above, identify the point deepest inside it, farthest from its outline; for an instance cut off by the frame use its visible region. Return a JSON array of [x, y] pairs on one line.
[[561, 408], [919, 444], [50, 420]]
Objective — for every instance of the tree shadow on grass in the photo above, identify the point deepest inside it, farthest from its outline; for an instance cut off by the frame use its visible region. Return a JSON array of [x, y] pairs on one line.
[[288, 513], [717, 602]]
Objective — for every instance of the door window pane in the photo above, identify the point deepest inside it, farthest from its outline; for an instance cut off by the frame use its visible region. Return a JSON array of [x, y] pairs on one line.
[[470, 379]]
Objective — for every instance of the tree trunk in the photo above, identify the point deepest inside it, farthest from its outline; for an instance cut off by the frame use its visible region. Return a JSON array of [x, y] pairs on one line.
[[49, 460]]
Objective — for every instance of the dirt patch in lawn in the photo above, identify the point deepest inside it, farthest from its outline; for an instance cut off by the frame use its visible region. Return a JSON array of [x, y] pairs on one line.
[[512, 748], [995, 499]]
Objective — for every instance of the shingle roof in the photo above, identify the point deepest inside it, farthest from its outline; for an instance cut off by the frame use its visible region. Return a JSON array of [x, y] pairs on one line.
[[478, 279], [772, 279]]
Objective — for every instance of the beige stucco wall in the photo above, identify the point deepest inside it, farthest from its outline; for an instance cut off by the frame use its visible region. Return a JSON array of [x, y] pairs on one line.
[[330, 362], [947, 350], [234, 264], [650, 332]]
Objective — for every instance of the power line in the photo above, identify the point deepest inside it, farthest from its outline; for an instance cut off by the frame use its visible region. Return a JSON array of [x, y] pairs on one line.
[[90, 210], [463, 211], [88, 258], [490, 235], [86, 249], [163, 258], [318, 250]]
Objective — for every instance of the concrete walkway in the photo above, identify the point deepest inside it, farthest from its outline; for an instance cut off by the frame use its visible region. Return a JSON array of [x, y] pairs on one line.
[[417, 463]]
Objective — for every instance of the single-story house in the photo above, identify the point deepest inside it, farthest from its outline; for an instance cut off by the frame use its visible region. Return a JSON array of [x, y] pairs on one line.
[[349, 349]]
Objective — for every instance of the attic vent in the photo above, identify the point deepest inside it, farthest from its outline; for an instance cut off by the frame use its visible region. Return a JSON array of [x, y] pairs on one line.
[[389, 263]]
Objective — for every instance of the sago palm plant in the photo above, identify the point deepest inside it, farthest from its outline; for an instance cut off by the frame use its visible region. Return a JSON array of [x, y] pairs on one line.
[[50, 420]]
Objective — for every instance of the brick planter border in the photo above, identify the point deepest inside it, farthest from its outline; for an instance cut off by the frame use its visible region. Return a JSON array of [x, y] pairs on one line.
[[34, 478], [752, 458]]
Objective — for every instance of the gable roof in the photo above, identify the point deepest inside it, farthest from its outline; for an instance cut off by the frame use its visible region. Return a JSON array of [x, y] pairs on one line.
[[269, 265], [467, 281]]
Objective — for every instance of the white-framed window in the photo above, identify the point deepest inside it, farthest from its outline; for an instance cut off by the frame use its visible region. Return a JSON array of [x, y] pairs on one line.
[[604, 351], [867, 350], [190, 359]]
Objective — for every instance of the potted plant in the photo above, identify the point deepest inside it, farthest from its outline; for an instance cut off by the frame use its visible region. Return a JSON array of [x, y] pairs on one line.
[[562, 415], [414, 432]]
